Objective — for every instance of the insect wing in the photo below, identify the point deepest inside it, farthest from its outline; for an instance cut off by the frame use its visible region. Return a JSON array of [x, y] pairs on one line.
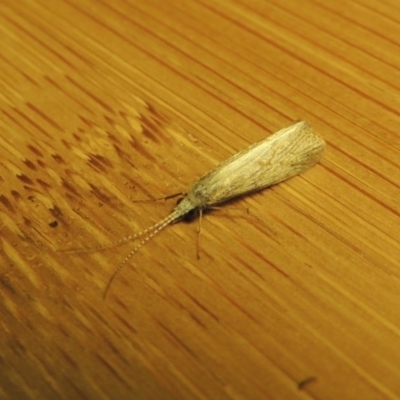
[[279, 157]]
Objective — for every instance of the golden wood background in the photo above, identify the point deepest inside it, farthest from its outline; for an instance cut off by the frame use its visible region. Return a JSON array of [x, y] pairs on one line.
[[106, 102]]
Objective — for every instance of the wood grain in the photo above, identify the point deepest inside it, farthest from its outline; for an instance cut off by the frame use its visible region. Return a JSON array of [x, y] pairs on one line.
[[103, 103]]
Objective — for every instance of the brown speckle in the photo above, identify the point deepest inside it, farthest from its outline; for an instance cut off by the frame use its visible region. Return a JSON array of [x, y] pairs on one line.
[[56, 212], [34, 150], [41, 163], [25, 179], [305, 382], [58, 158], [66, 144], [27, 222], [120, 152], [104, 160], [4, 200], [7, 284], [150, 128], [113, 137], [99, 194], [70, 188], [15, 194], [53, 224], [157, 115], [99, 162], [42, 183], [30, 164]]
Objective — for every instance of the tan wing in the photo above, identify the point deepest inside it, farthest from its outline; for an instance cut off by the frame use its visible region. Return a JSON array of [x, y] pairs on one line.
[[281, 156]]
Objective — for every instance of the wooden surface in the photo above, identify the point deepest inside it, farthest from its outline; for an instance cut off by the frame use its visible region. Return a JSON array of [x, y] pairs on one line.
[[105, 102]]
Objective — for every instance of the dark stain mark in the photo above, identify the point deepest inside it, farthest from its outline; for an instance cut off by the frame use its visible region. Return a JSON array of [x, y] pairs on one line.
[[6, 203], [149, 127], [113, 137], [56, 212], [124, 115], [71, 198], [305, 382], [161, 118], [53, 224], [142, 150], [34, 150], [99, 194], [122, 154], [58, 158], [27, 222], [31, 198], [15, 194], [7, 284], [99, 162], [66, 144], [30, 164], [96, 164], [88, 123], [153, 122], [103, 160], [43, 183], [25, 179], [109, 120], [70, 188], [77, 138], [42, 164]]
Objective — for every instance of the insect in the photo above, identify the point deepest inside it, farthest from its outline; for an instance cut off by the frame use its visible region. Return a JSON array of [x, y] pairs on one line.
[[282, 155]]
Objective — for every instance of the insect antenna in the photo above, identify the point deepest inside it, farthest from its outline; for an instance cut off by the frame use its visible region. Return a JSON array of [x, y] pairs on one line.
[[125, 239], [153, 230], [118, 242]]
